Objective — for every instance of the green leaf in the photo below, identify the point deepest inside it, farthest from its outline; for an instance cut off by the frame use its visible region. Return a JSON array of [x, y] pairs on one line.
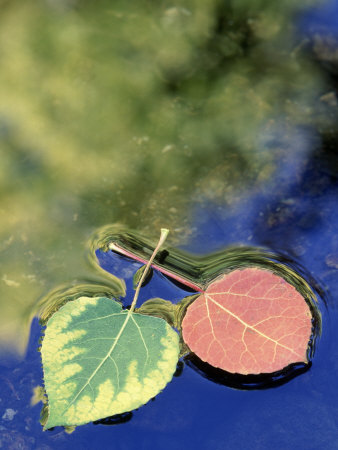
[[100, 360], [138, 275]]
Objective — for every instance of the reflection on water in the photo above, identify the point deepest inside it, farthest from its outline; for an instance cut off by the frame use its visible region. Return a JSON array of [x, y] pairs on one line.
[[103, 120], [246, 382], [61, 295]]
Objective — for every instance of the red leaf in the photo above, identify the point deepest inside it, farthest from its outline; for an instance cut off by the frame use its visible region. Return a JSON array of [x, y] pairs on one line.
[[249, 321]]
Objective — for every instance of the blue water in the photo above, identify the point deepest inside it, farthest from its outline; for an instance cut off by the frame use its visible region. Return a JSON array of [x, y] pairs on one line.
[[296, 214], [324, 15]]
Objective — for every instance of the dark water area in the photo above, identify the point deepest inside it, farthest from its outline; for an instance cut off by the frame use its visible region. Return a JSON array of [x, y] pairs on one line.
[[264, 186]]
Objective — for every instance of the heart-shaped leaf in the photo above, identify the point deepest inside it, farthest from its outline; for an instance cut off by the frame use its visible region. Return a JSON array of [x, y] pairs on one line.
[[100, 360], [249, 321]]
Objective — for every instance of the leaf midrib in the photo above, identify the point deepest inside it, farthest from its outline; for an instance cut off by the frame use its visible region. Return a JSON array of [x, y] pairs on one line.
[[208, 297], [129, 314]]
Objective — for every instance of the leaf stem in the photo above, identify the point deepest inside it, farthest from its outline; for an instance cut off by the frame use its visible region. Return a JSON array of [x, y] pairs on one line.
[[163, 237]]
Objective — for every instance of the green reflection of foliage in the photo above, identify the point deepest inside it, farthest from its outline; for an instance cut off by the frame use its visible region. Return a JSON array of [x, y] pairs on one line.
[[63, 294], [119, 111]]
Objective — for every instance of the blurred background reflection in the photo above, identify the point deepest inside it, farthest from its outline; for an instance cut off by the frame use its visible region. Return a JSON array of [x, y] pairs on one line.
[[155, 114]]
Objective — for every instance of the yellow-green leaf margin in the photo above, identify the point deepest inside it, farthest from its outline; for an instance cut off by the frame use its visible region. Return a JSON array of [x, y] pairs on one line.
[[100, 360]]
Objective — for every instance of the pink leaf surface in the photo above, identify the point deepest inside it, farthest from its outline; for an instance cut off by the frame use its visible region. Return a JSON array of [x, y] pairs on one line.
[[249, 321]]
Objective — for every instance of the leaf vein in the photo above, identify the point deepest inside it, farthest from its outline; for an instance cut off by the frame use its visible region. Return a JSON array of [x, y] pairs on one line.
[[250, 326]]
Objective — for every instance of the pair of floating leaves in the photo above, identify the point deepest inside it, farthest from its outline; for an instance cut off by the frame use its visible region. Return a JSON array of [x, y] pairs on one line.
[[100, 360]]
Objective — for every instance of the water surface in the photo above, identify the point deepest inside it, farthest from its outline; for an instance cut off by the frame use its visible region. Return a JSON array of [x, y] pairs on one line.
[[229, 141]]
